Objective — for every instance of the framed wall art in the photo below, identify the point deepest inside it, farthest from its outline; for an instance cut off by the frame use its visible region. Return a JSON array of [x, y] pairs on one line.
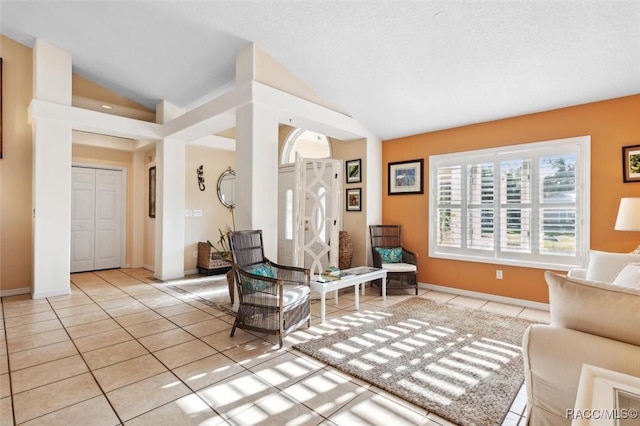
[[631, 163], [406, 177], [354, 199], [152, 191], [354, 171]]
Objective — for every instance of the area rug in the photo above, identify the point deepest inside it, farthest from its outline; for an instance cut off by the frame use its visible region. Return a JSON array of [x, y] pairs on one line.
[[464, 365]]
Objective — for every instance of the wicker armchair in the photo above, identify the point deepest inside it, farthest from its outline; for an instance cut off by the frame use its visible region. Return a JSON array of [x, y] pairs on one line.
[[274, 299], [401, 272]]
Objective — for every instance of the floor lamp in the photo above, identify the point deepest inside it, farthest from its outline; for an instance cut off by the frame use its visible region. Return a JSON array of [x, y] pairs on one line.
[[629, 216]]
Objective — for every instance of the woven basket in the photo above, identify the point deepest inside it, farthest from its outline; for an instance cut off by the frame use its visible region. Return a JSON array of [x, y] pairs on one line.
[[209, 258], [345, 250]]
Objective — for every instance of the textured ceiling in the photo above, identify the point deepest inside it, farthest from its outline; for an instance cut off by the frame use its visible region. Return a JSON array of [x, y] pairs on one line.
[[398, 67]]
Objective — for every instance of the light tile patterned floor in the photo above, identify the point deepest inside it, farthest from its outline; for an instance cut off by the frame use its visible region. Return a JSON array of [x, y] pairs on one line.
[[123, 349]]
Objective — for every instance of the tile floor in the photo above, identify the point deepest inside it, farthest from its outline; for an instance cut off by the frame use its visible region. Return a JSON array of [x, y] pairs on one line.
[[123, 349]]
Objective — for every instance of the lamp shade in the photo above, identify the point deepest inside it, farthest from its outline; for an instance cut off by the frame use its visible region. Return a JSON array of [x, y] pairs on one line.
[[628, 215]]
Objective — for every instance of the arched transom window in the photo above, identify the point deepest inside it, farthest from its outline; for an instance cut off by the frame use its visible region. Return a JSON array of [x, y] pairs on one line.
[[309, 144]]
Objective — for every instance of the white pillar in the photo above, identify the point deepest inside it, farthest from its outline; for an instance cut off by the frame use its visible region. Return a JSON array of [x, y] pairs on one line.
[[170, 203], [257, 173], [170, 200], [139, 209], [51, 175]]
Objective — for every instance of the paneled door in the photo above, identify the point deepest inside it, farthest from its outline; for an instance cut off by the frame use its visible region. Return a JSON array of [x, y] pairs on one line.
[[96, 219]]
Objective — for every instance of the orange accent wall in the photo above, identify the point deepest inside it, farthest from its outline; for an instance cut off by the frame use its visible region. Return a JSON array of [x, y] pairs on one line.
[[612, 124]]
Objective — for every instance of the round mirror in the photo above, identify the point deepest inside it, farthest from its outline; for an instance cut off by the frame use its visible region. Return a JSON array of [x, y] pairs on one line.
[[226, 188]]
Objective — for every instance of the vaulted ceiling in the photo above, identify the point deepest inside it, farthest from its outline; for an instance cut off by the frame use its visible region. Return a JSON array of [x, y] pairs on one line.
[[400, 67]]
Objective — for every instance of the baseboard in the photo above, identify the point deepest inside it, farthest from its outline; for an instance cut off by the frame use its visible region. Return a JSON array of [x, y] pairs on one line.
[[54, 293], [15, 291], [191, 271], [149, 267], [485, 296]]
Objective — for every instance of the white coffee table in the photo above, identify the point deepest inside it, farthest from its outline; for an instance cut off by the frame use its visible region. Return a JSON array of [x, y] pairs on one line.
[[349, 277], [606, 398]]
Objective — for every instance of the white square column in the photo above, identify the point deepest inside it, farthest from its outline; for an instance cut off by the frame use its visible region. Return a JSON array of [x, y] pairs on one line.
[[257, 173], [170, 203], [51, 175]]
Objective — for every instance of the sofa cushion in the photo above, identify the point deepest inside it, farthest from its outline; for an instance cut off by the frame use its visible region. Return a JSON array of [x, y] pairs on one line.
[[629, 276], [605, 266], [594, 307]]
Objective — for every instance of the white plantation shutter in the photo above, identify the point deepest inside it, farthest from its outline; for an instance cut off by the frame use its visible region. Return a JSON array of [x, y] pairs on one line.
[[480, 206], [524, 204], [449, 217]]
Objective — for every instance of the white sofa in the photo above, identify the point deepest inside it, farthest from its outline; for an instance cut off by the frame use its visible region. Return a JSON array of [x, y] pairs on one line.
[[593, 321]]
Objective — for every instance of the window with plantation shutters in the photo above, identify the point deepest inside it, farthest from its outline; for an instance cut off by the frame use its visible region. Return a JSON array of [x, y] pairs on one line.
[[524, 204]]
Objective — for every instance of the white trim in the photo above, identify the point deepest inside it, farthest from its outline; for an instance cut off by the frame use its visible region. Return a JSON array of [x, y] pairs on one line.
[[191, 272], [485, 296], [45, 294], [148, 267], [15, 291]]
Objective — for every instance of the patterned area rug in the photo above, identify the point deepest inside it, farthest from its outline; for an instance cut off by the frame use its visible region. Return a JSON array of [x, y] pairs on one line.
[[461, 364]]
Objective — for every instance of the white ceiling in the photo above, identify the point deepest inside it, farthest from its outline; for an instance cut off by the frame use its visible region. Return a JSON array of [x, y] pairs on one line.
[[400, 67]]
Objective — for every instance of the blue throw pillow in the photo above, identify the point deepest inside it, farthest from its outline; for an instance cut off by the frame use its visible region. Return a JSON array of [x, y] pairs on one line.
[[390, 255], [264, 270]]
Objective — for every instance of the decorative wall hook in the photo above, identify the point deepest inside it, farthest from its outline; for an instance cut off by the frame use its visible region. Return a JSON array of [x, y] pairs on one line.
[[200, 171]]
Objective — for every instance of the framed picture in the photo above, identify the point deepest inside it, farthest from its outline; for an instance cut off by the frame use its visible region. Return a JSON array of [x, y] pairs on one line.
[[406, 177], [631, 163], [354, 199], [354, 171], [152, 191]]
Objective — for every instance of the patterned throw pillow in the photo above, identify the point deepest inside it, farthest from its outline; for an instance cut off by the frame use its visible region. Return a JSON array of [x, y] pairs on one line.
[[636, 251], [390, 255], [264, 270]]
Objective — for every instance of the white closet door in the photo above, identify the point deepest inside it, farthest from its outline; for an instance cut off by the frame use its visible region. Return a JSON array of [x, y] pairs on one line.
[[96, 219], [82, 219], [108, 229]]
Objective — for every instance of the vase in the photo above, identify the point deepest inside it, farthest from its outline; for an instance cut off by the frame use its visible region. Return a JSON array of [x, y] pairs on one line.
[[345, 250]]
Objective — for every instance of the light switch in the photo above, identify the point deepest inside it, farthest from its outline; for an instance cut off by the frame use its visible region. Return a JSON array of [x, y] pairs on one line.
[[197, 212], [187, 213]]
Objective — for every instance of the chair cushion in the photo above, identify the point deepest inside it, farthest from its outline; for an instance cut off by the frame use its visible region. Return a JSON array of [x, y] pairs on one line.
[[629, 276], [390, 255], [399, 267], [594, 307], [292, 294], [605, 266], [264, 270]]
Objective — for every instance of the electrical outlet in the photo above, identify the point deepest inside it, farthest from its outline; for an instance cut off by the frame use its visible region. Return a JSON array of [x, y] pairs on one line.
[[195, 253], [197, 213], [499, 274]]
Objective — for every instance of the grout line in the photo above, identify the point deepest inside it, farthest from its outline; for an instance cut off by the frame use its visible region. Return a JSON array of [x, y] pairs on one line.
[[6, 343]]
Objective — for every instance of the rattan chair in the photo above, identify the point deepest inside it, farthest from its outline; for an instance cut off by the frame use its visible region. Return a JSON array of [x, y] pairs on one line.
[[273, 298], [403, 273]]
